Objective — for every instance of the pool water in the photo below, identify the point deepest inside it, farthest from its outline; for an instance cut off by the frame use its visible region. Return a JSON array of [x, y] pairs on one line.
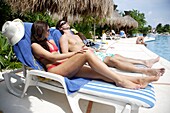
[[160, 46]]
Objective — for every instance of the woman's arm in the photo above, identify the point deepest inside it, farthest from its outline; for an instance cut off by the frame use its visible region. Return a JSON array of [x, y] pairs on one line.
[[39, 51]]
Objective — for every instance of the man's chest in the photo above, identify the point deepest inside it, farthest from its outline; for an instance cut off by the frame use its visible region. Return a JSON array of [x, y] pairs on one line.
[[74, 40]]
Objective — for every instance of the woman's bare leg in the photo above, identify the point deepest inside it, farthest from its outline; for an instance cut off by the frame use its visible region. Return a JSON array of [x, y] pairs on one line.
[[147, 63], [72, 66], [87, 72], [143, 81], [126, 66]]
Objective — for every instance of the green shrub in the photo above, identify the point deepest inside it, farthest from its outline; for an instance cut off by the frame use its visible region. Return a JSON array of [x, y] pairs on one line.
[[32, 17], [5, 12], [8, 59]]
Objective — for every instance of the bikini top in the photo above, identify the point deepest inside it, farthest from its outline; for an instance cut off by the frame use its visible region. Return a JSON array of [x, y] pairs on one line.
[[54, 48]]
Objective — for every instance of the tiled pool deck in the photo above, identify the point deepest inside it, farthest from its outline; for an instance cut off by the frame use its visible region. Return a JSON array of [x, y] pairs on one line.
[[54, 102]]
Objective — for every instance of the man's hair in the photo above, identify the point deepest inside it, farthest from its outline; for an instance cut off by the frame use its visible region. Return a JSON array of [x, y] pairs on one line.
[[59, 24]]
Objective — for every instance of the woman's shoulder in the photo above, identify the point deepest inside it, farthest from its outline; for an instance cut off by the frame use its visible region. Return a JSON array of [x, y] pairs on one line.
[[35, 45]]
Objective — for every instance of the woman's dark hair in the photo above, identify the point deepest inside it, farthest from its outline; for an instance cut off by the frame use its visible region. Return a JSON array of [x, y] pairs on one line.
[[39, 28]]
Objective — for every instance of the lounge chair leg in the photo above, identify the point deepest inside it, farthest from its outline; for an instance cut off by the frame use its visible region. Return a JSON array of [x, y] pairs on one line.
[[74, 104], [121, 109], [11, 88], [134, 109], [89, 107], [28, 82]]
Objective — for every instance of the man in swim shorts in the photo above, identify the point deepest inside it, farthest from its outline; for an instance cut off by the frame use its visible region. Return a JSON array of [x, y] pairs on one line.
[[102, 55], [71, 42]]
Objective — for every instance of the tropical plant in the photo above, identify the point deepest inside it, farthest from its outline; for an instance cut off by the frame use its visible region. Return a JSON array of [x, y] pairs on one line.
[[8, 59], [32, 17], [84, 27], [159, 28], [163, 29], [5, 12], [140, 18], [166, 28]]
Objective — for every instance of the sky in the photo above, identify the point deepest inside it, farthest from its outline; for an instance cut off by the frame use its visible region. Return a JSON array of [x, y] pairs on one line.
[[156, 11]]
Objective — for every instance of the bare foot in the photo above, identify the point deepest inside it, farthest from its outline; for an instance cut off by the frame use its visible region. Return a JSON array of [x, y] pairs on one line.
[[154, 72], [128, 84], [149, 63], [138, 82], [144, 81]]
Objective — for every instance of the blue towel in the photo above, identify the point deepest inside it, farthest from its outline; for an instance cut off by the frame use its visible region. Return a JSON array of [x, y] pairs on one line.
[[23, 52], [96, 46], [23, 49], [75, 84]]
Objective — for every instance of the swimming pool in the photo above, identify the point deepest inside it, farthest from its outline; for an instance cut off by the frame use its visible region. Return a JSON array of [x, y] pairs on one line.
[[160, 46]]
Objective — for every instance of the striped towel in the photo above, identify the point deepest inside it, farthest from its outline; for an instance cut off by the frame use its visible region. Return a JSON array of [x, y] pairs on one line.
[[142, 97]]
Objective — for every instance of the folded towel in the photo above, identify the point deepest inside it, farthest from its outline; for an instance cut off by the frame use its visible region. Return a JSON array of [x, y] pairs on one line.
[[23, 49], [75, 84]]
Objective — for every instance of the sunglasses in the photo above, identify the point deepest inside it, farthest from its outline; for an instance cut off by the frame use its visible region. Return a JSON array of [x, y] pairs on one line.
[[48, 30], [62, 23]]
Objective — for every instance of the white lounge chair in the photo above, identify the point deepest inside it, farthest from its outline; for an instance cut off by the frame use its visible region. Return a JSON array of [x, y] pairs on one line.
[[97, 91]]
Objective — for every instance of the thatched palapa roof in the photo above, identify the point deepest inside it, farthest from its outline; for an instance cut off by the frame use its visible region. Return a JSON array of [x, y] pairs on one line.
[[72, 8], [130, 22], [116, 19]]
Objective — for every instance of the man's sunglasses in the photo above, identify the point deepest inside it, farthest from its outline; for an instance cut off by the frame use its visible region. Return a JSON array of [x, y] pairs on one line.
[[62, 23]]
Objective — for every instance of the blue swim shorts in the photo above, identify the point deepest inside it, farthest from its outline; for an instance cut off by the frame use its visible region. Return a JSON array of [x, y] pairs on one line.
[[102, 55]]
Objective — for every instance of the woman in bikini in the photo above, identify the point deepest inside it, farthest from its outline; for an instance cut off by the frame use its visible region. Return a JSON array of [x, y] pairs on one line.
[[72, 64]]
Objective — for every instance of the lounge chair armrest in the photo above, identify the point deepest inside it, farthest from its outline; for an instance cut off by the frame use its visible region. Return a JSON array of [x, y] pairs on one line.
[[49, 75]]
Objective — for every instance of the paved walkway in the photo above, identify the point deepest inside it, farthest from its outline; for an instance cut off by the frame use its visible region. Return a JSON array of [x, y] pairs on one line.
[[53, 102]]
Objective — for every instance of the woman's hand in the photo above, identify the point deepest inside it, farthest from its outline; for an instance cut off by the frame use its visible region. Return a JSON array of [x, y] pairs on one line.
[[89, 48], [82, 50]]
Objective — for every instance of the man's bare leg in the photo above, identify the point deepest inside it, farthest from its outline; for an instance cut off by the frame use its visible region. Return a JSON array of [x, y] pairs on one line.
[[147, 63], [126, 66]]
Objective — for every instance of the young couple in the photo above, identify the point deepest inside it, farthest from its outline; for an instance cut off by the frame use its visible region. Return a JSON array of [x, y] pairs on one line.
[[71, 64]]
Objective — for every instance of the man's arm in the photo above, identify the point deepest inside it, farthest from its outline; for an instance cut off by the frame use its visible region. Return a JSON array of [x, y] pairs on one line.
[[64, 44]]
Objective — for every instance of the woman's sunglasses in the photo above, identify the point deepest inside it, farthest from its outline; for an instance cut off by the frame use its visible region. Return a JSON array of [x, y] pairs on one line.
[[48, 30]]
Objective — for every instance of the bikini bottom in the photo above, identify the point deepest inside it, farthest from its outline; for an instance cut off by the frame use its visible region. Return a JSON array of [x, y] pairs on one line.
[[53, 65]]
